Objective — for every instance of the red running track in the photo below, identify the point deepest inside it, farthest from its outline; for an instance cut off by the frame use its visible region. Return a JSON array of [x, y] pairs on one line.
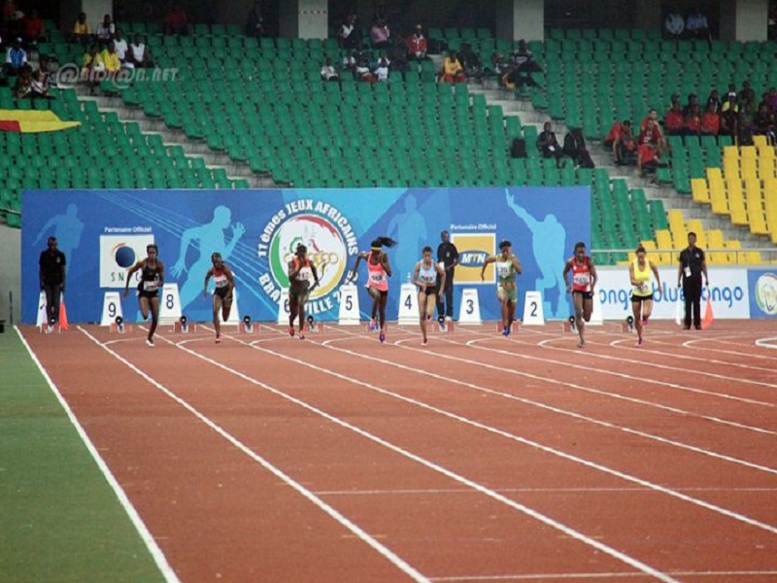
[[475, 458]]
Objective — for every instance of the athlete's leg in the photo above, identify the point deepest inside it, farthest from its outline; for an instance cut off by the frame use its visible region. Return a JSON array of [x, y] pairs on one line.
[[502, 297], [647, 310], [636, 309], [578, 303], [375, 295], [422, 313], [143, 303], [153, 304], [301, 313], [382, 301], [293, 299], [226, 305], [217, 304]]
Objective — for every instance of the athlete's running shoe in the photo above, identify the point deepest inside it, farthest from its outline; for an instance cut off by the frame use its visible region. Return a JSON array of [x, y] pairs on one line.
[[373, 325], [218, 339], [640, 342], [382, 337], [506, 331], [149, 343], [301, 336], [291, 330]]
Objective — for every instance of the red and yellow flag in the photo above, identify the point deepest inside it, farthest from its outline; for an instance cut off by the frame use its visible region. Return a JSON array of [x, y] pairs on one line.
[[14, 120]]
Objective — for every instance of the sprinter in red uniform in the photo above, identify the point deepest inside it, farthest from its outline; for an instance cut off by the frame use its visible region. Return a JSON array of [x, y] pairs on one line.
[[300, 270], [583, 282], [223, 293], [379, 270]]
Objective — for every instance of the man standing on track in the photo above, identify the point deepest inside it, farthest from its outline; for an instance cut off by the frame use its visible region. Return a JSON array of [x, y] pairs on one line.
[[448, 255], [52, 279], [692, 265]]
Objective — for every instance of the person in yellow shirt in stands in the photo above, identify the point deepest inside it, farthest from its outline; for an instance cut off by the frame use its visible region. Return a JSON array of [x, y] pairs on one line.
[[452, 71], [82, 31], [640, 273], [92, 67], [111, 60]]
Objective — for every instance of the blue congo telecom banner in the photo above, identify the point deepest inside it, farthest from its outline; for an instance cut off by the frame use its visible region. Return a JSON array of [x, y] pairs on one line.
[[103, 233]]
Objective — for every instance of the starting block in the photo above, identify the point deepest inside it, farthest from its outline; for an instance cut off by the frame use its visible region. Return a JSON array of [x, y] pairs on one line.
[[120, 328], [44, 329], [627, 327], [313, 327], [569, 325], [442, 326], [247, 326], [183, 326]]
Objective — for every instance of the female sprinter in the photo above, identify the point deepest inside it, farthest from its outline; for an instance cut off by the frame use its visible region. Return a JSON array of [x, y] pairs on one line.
[[222, 295], [425, 277], [152, 278], [507, 267], [379, 270], [641, 291], [583, 282], [300, 269]]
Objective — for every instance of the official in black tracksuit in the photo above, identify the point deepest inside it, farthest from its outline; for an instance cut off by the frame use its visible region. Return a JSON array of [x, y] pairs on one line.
[[52, 278], [692, 265], [449, 256]]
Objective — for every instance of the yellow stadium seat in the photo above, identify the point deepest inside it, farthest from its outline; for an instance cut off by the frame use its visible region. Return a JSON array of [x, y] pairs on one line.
[[664, 240], [701, 237], [715, 241], [736, 201], [759, 141], [750, 257], [731, 167], [730, 152], [701, 193], [747, 152], [676, 222], [649, 245], [748, 168], [766, 167]]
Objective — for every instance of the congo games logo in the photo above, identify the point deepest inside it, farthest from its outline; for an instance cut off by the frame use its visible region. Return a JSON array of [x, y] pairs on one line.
[[331, 243], [766, 294]]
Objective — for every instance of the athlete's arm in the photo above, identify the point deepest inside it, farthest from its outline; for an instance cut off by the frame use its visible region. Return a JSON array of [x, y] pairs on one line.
[[489, 259], [359, 258], [130, 272], [386, 264], [567, 267], [416, 281], [293, 272], [655, 272], [314, 271], [205, 284], [161, 271], [594, 274], [631, 276], [517, 264]]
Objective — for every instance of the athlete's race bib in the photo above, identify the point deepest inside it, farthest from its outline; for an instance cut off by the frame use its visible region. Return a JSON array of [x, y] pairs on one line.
[[581, 279], [377, 277], [150, 286]]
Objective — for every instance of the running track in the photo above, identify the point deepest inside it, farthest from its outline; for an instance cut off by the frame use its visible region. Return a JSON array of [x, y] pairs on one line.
[[476, 458]]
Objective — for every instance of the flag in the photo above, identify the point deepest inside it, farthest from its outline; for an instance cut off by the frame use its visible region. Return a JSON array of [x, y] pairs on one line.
[[706, 322], [27, 121], [63, 325]]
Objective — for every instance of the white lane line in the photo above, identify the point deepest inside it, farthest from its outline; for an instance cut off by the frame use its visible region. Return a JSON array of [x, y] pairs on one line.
[[623, 557], [767, 342], [690, 343], [389, 492], [551, 408], [510, 436], [595, 576], [148, 540], [392, 557]]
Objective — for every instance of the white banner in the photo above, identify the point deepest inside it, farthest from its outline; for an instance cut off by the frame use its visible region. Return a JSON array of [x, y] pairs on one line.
[[729, 291]]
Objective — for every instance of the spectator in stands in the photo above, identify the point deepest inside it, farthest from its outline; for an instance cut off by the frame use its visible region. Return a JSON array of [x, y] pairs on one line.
[[349, 61], [92, 67], [732, 92], [714, 101], [138, 55], [575, 148], [105, 31], [23, 85], [417, 44], [255, 21], [349, 37], [12, 19], [398, 58], [674, 25], [452, 71], [548, 145], [471, 62], [177, 21], [624, 145], [121, 45], [696, 25], [82, 31], [381, 71], [763, 124], [498, 66], [523, 58], [746, 95], [771, 99], [710, 121], [674, 121], [649, 144], [32, 28], [693, 121], [328, 71], [363, 72], [693, 100], [40, 85], [648, 159], [745, 124], [651, 129], [15, 58], [111, 60], [380, 34], [728, 117]]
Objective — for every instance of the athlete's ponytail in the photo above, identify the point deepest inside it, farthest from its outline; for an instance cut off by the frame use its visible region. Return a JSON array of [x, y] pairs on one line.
[[379, 242]]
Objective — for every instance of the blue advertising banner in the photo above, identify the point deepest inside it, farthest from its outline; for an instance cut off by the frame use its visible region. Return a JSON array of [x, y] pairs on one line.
[[102, 233], [763, 293]]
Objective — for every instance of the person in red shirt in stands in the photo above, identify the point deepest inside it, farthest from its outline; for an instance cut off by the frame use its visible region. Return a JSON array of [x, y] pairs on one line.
[[32, 27], [674, 124], [177, 21], [693, 121], [710, 122], [417, 44]]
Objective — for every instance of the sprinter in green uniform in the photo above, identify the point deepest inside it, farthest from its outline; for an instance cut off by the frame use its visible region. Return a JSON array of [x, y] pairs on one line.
[[507, 267]]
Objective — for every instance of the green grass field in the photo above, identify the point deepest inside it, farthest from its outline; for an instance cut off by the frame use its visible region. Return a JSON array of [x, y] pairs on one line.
[[59, 518]]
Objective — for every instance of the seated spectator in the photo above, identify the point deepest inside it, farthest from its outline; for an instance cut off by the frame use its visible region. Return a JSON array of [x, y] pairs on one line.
[[105, 30], [615, 131], [40, 85], [32, 28], [693, 101], [523, 58], [674, 121], [745, 125], [328, 71], [23, 87], [548, 145], [693, 121], [471, 62], [714, 101], [763, 123], [417, 44], [121, 46], [732, 92], [710, 121], [380, 34], [138, 56], [92, 67], [624, 145], [363, 72], [381, 71], [82, 31], [648, 159], [15, 59], [674, 25], [498, 66], [575, 148], [452, 71], [177, 21], [728, 118], [111, 60], [696, 26], [730, 103], [399, 55], [12, 19], [348, 36], [255, 21], [746, 95], [654, 131], [771, 99], [349, 61]]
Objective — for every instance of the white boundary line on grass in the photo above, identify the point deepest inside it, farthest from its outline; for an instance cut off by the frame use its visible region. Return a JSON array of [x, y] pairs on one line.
[[156, 552], [392, 557]]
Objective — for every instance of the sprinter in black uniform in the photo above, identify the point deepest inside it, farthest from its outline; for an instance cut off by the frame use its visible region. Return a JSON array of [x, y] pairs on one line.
[[152, 278]]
